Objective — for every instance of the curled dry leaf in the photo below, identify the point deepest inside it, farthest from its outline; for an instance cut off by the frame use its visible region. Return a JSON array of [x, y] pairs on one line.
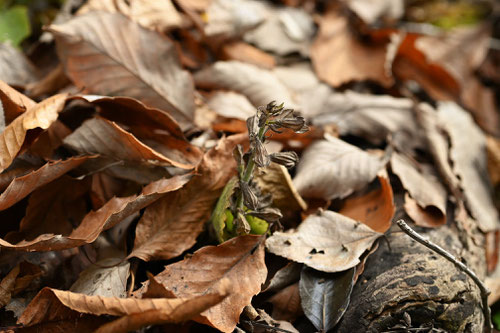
[[127, 66], [7, 286], [101, 136], [241, 260], [276, 180], [40, 115], [468, 154], [425, 190], [375, 209], [325, 297], [13, 102], [52, 305], [259, 85], [328, 242], [171, 225], [332, 168], [20, 187], [114, 211], [350, 62]]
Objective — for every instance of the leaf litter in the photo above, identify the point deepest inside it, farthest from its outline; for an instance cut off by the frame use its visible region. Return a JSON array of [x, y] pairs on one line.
[[123, 195]]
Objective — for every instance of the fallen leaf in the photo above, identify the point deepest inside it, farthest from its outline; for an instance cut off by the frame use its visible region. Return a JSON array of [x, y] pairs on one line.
[[493, 149], [20, 187], [230, 104], [372, 11], [325, 297], [244, 52], [492, 247], [127, 66], [15, 67], [13, 102], [171, 225], [40, 115], [468, 154], [49, 141], [328, 242], [284, 277], [52, 304], [350, 62], [374, 209], [106, 217], [101, 136], [155, 15], [7, 286], [286, 30], [332, 168], [425, 189], [240, 259], [260, 86], [286, 303], [276, 180]]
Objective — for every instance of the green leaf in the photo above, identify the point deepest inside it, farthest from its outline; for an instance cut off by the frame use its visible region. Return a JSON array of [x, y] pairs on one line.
[[14, 25], [219, 214]]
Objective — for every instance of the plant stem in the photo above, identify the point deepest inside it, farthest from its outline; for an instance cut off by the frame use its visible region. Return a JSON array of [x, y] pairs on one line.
[[249, 168]]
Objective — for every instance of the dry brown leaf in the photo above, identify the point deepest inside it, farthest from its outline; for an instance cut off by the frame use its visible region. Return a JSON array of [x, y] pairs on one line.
[[101, 136], [425, 189], [52, 304], [51, 139], [7, 286], [20, 187], [351, 61], [155, 15], [127, 66], [428, 218], [15, 68], [286, 30], [328, 242], [231, 104], [332, 168], [493, 147], [240, 259], [244, 52], [106, 217], [171, 225], [40, 115], [286, 303], [468, 154], [260, 86], [375, 209], [13, 102], [491, 249], [276, 180]]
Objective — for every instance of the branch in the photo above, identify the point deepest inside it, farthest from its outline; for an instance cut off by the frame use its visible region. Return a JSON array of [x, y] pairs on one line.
[[461, 266]]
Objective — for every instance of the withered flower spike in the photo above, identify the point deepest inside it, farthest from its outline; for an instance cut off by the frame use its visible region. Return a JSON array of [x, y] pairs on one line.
[[249, 198], [288, 158], [269, 214], [295, 123], [261, 158], [252, 126]]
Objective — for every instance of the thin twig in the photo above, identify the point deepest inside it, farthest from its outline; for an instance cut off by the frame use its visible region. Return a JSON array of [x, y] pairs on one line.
[[448, 256]]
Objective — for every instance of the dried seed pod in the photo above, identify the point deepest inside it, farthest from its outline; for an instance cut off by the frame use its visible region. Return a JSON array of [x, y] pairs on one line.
[[269, 214], [250, 199], [261, 158], [252, 126], [288, 158], [242, 225]]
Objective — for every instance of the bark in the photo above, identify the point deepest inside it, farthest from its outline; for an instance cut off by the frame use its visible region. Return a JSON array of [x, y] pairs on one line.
[[408, 277]]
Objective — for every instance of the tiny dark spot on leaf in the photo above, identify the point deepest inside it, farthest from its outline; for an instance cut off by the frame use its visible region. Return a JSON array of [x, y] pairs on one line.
[[287, 242]]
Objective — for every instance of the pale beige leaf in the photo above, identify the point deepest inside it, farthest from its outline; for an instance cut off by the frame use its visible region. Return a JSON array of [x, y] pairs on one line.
[[331, 169], [52, 304], [22, 186], [372, 11], [328, 242], [15, 68], [468, 154], [230, 104], [240, 259], [101, 136], [108, 54], [113, 212], [171, 225], [40, 115], [421, 183], [259, 85]]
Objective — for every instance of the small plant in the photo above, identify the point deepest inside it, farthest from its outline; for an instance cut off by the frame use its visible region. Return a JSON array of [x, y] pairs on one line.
[[242, 208]]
